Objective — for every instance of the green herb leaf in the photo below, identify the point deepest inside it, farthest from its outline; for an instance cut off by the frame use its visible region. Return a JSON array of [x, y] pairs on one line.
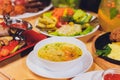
[[113, 12], [87, 30], [104, 52]]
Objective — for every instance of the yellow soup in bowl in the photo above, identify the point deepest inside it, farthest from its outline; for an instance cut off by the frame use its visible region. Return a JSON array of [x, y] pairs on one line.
[[59, 51]]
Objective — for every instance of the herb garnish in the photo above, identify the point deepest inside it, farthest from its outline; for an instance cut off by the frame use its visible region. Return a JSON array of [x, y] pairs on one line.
[[104, 52]]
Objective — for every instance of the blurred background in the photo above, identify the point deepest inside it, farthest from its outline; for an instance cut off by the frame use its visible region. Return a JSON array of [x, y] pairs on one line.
[[90, 5]]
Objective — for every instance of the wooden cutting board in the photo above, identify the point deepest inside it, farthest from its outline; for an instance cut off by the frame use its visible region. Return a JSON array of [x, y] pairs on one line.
[[101, 62]]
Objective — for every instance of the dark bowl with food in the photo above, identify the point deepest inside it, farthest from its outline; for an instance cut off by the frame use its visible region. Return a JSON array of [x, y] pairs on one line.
[[107, 48]]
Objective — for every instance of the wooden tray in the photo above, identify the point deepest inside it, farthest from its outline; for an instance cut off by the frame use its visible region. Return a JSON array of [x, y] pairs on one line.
[[100, 61], [32, 38]]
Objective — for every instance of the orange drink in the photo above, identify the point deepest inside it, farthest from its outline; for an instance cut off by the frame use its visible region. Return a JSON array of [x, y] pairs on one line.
[[109, 14]]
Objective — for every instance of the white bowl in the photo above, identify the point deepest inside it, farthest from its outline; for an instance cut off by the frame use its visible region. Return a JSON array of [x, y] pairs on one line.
[[64, 65]]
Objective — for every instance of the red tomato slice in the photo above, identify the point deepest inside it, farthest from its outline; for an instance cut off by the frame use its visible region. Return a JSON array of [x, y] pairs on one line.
[[12, 44], [59, 24]]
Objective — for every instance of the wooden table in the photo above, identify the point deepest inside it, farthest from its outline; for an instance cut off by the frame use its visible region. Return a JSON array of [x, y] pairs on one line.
[[17, 69]]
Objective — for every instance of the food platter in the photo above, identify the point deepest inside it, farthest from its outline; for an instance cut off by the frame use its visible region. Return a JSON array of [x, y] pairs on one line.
[[30, 42], [27, 15], [59, 25]]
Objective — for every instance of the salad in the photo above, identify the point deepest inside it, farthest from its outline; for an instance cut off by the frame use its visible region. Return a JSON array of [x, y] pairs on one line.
[[65, 22]]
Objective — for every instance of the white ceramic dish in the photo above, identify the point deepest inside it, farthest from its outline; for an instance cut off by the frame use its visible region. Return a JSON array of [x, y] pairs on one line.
[[62, 65], [93, 75], [27, 15], [34, 65]]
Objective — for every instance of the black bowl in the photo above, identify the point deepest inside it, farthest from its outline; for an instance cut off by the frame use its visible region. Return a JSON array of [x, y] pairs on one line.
[[100, 42]]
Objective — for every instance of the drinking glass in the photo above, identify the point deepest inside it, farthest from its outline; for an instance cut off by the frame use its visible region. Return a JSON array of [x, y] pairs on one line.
[[109, 14]]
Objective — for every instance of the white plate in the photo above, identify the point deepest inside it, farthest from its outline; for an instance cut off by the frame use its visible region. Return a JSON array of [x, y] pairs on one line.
[[93, 75], [94, 30], [32, 63], [27, 15]]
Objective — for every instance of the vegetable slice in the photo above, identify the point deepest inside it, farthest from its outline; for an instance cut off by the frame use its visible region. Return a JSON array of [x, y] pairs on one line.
[[106, 50]]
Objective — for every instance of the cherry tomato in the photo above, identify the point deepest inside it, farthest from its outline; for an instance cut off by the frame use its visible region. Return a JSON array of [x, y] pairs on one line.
[[59, 24]]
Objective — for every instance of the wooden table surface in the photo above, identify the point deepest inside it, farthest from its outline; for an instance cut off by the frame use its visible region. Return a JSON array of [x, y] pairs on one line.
[[17, 69]]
